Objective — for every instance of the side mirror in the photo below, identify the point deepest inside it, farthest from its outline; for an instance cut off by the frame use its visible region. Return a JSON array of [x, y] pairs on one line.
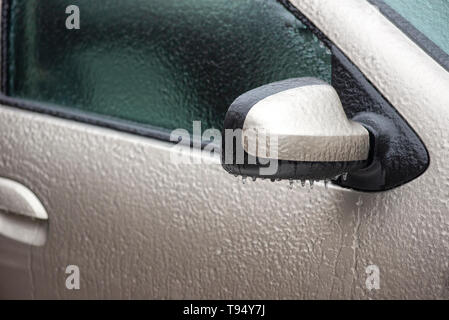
[[292, 129]]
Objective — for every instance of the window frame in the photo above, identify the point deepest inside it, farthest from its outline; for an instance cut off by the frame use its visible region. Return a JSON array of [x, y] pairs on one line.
[[430, 47]]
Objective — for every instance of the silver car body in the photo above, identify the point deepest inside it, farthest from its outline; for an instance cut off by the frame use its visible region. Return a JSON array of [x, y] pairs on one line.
[[139, 226]]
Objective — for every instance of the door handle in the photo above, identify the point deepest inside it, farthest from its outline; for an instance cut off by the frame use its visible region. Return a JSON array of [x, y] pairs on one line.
[[22, 215]]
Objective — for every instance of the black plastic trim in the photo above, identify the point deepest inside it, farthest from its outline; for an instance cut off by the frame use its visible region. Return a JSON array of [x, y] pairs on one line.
[[398, 153]]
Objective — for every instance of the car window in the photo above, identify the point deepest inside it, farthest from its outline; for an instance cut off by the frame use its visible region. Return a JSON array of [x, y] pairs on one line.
[[431, 17], [163, 63]]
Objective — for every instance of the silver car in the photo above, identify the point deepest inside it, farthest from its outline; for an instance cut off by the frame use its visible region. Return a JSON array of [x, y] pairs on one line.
[[245, 149]]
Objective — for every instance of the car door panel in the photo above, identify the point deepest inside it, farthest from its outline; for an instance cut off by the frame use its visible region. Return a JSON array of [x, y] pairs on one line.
[[140, 226]]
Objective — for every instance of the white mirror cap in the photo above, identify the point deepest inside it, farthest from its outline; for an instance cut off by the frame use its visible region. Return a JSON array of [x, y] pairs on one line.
[[310, 125]]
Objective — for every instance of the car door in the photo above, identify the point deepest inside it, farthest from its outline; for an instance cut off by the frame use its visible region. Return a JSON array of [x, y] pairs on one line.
[[86, 120]]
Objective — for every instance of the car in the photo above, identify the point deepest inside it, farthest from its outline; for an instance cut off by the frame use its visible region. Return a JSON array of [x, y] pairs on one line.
[[114, 176]]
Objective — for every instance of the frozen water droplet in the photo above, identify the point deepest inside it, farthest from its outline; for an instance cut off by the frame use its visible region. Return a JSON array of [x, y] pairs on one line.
[[273, 179], [254, 178], [243, 179], [311, 184], [344, 176], [303, 183], [290, 184], [326, 183]]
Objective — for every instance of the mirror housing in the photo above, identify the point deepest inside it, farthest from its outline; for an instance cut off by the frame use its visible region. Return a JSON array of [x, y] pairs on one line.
[[292, 129]]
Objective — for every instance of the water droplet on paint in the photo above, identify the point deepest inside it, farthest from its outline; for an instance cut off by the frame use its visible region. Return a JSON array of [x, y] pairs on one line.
[[290, 184]]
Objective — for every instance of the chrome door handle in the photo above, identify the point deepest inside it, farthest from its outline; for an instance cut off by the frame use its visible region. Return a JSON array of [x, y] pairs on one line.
[[22, 215]]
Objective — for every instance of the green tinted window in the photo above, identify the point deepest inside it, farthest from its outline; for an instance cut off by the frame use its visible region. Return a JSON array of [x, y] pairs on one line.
[[159, 62], [431, 17]]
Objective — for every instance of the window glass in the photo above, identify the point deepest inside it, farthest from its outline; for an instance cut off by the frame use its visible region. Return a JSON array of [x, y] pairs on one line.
[[431, 17], [159, 62]]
